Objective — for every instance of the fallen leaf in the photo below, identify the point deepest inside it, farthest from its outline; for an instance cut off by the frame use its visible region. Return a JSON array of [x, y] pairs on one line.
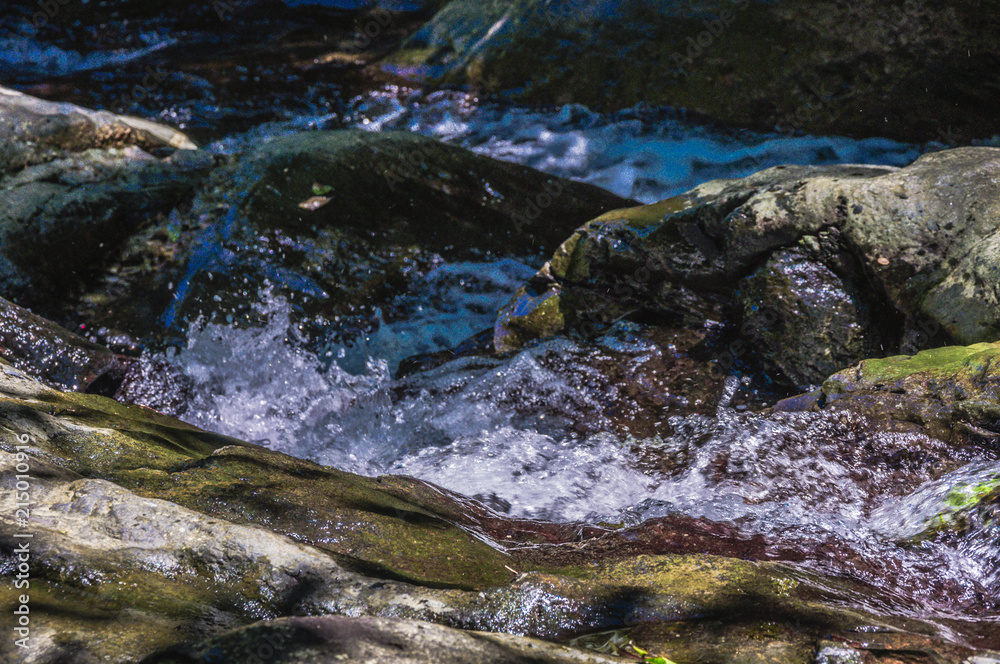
[[314, 203]]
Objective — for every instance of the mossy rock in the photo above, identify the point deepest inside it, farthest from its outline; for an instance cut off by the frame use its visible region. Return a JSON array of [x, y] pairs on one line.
[[963, 501], [332, 639], [159, 456], [345, 221], [147, 532], [77, 185], [949, 392], [896, 260]]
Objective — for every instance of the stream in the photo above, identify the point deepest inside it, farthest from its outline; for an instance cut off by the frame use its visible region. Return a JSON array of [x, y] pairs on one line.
[[507, 431], [526, 434]]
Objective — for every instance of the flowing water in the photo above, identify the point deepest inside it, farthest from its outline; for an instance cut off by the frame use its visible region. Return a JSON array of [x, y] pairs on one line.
[[528, 435]]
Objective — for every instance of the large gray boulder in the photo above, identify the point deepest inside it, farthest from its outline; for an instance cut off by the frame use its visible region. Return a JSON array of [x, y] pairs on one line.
[[76, 185]]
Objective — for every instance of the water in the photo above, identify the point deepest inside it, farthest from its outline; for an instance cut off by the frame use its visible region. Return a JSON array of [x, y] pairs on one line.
[[642, 153], [24, 55], [527, 437]]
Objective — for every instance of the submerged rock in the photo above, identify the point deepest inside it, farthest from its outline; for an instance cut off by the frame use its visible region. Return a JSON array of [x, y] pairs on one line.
[[965, 500], [807, 268], [866, 70]]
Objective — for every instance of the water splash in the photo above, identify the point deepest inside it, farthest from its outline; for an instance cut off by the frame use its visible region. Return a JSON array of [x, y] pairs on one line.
[[504, 430]]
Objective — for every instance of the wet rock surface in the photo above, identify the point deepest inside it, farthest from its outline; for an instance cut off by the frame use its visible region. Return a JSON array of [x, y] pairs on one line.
[[336, 638], [874, 69], [950, 392], [345, 221], [76, 185], [56, 355], [848, 262], [600, 469], [147, 520]]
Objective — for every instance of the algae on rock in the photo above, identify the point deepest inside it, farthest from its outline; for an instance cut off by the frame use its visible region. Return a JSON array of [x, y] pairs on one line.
[[895, 259]]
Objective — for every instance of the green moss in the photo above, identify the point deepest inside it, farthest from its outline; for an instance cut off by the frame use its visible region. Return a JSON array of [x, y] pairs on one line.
[[643, 216], [936, 361], [969, 495], [529, 317]]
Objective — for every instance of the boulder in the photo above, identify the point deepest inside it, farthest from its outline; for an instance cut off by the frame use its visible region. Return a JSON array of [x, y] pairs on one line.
[[870, 69], [951, 393], [342, 222], [801, 269], [77, 185]]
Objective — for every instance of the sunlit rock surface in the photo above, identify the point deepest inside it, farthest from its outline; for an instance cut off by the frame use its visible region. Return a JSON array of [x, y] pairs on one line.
[[951, 392], [850, 262], [160, 532]]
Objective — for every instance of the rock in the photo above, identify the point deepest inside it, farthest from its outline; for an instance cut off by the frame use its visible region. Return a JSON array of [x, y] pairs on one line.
[[899, 259], [149, 571], [332, 639], [341, 222], [959, 502], [157, 456], [951, 392], [793, 296], [34, 131], [147, 532], [77, 185], [56, 356], [863, 70]]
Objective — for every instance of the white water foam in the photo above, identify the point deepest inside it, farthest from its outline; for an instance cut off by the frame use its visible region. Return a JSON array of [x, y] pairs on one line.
[[26, 55], [498, 430], [628, 153]]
